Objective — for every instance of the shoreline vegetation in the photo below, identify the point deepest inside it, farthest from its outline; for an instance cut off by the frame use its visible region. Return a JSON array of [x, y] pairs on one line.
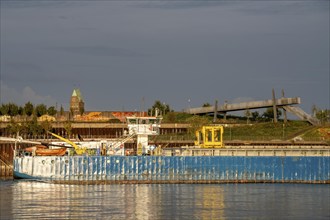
[[30, 120]]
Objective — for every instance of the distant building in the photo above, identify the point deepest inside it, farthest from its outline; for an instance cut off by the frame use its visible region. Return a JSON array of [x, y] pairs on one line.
[[77, 105]]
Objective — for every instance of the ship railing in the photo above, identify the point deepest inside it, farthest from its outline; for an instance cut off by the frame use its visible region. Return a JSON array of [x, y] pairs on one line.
[[117, 145]]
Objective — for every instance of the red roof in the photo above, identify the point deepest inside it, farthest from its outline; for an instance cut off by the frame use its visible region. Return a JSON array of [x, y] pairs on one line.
[[122, 115]]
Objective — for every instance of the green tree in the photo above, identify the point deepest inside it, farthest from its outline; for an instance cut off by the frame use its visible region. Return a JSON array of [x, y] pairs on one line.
[[16, 128], [46, 125], [162, 108], [51, 111], [28, 108], [41, 109], [323, 115], [68, 128], [255, 116], [33, 128], [206, 105], [4, 109], [13, 109], [21, 110], [10, 109], [269, 114]]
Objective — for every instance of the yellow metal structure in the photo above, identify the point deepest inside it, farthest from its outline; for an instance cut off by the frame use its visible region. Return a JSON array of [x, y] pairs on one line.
[[79, 150], [210, 137]]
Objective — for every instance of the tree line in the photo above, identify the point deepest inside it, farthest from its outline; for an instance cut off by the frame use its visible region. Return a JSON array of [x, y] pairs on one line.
[[28, 109], [159, 107], [33, 127]]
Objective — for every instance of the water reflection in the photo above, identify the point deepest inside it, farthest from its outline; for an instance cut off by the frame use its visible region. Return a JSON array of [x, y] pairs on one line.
[[35, 200], [42, 200]]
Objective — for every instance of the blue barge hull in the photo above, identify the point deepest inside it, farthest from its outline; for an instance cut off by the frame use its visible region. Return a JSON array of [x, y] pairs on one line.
[[175, 169]]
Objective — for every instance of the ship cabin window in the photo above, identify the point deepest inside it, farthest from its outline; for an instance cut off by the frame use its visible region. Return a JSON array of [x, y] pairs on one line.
[[209, 135], [200, 139], [132, 121], [143, 121], [217, 135]]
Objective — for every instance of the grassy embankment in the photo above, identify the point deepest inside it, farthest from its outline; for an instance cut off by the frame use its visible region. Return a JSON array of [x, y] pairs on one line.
[[261, 131], [269, 131]]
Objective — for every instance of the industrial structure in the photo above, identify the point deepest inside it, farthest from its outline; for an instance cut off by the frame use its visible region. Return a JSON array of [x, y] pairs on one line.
[[285, 103]]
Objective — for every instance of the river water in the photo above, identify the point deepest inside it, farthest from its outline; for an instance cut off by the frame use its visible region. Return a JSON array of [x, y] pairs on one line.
[[37, 200]]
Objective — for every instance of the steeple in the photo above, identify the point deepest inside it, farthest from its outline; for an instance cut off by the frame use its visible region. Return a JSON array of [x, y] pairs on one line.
[[76, 92], [77, 105]]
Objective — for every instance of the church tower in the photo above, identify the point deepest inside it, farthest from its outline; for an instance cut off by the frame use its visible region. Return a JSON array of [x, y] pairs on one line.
[[77, 105]]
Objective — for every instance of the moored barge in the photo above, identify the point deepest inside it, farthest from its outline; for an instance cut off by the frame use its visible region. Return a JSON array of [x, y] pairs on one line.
[[208, 162], [174, 169]]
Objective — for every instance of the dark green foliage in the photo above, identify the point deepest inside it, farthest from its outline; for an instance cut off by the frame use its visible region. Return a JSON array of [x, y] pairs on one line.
[[51, 111], [255, 116], [269, 114], [323, 115], [176, 117], [10, 109], [28, 108], [162, 108], [46, 125], [4, 109], [16, 128], [33, 128], [21, 110], [40, 110]]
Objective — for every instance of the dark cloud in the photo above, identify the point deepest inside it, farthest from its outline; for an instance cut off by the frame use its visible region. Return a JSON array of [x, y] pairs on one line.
[[284, 7], [183, 4], [99, 51], [119, 52], [18, 4]]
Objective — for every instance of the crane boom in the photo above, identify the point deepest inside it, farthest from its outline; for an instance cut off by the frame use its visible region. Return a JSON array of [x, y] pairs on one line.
[[78, 149]]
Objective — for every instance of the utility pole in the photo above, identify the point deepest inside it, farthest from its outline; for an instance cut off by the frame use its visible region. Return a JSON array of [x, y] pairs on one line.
[[284, 111], [274, 107], [215, 111], [225, 107], [143, 107]]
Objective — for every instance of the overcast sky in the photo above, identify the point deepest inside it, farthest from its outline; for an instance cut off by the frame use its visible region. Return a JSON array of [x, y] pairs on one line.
[[120, 53]]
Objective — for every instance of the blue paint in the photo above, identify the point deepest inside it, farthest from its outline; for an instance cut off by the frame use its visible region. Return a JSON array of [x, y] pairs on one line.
[[175, 169]]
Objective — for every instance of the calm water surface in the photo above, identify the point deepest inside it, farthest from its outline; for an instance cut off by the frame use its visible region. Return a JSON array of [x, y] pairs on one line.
[[36, 200]]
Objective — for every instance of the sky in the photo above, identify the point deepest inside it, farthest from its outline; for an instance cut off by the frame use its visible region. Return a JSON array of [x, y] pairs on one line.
[[125, 55]]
